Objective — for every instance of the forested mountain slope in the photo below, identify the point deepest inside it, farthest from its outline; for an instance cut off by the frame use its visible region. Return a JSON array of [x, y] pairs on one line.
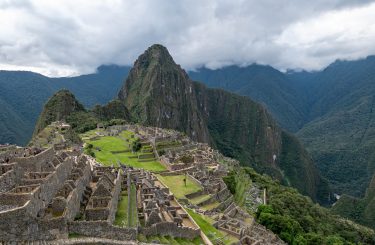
[[159, 93], [23, 95], [263, 84], [331, 111]]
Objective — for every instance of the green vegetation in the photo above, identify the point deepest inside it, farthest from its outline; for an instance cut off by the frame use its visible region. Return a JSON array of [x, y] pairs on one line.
[[237, 126], [121, 218], [63, 106], [296, 219], [186, 158], [114, 109], [170, 240], [359, 210], [89, 150], [113, 149], [199, 199], [209, 230], [238, 185], [58, 108], [52, 134], [133, 214], [23, 95], [167, 144], [136, 145], [177, 185], [210, 206]]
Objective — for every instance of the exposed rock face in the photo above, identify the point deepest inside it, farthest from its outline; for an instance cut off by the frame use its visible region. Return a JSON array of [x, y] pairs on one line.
[[58, 108], [159, 93]]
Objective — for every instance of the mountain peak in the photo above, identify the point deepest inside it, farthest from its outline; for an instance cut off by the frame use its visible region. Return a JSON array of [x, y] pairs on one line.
[[157, 48], [158, 92], [155, 55], [58, 108]]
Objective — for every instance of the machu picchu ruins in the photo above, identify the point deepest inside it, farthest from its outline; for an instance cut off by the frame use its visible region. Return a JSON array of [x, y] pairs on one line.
[[56, 194]]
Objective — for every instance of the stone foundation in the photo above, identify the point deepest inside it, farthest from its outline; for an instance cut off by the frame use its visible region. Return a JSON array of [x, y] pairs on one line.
[[102, 229], [169, 229]]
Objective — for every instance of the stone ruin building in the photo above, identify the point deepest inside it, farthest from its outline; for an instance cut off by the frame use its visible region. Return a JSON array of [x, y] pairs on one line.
[[45, 195]]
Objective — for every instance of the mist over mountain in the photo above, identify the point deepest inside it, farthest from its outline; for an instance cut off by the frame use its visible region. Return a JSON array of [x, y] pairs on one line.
[[158, 92], [23, 95], [331, 111]]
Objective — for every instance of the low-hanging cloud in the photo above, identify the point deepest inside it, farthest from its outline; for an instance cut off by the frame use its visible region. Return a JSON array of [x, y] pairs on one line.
[[60, 38]]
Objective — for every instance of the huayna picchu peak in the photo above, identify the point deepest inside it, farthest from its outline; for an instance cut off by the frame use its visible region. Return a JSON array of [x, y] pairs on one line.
[[168, 161], [158, 92], [177, 122]]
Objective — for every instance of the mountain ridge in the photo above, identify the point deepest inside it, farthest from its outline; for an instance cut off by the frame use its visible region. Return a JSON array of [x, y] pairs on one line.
[[159, 93], [24, 94]]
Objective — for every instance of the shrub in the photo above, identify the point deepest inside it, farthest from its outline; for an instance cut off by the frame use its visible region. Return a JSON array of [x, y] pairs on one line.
[[136, 146]]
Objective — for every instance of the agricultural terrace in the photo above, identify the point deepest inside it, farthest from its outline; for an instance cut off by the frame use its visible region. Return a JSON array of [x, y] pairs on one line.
[[110, 150], [177, 186], [206, 225]]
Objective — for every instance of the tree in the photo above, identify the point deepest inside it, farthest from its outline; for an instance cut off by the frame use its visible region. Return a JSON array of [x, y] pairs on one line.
[[136, 146]]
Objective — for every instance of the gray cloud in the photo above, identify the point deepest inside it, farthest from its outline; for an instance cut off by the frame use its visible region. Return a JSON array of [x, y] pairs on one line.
[[70, 37]]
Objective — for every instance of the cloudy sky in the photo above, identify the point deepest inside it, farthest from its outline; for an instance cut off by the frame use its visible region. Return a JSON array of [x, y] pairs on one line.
[[69, 37]]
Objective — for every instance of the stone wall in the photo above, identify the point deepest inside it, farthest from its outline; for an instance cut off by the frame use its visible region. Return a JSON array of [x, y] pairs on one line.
[[225, 204], [169, 229], [32, 203], [223, 195], [11, 178], [102, 229], [34, 163], [195, 194], [194, 179], [115, 197], [74, 198], [10, 151], [25, 228], [208, 201], [49, 188]]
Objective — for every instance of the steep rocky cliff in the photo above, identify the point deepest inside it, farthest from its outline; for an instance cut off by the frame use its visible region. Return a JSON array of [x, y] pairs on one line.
[[159, 93]]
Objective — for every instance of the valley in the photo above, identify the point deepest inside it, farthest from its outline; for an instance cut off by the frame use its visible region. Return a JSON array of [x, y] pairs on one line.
[[215, 200], [195, 164]]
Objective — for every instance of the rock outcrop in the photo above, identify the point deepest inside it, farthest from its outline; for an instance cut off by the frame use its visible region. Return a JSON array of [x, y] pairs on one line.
[[158, 92]]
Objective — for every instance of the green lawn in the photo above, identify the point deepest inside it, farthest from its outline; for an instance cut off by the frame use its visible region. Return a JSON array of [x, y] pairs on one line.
[[133, 215], [104, 146], [170, 240], [210, 206], [211, 232], [128, 135], [199, 199], [177, 186], [122, 211], [91, 133], [109, 143]]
